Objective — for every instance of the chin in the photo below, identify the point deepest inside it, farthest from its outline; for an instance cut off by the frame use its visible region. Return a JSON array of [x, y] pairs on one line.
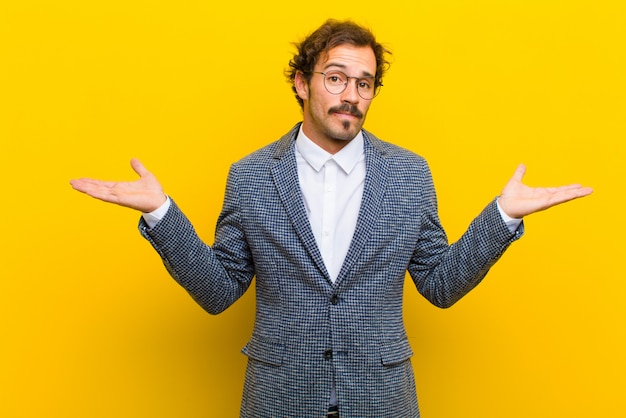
[[344, 136], [346, 132]]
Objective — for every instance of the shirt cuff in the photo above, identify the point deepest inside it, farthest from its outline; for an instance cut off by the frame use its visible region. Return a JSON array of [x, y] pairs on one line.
[[511, 223], [153, 218]]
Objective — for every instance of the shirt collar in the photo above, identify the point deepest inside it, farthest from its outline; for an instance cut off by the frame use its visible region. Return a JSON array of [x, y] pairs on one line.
[[346, 158]]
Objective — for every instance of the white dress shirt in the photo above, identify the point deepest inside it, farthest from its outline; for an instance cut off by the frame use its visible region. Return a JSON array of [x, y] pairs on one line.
[[332, 187]]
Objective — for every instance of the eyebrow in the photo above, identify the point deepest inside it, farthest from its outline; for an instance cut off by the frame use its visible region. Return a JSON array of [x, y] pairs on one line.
[[343, 66]]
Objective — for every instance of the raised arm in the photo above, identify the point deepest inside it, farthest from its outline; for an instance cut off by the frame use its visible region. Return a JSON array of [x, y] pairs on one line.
[[144, 194], [518, 200]]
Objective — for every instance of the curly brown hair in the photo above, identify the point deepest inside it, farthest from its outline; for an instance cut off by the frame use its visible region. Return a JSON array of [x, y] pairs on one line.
[[331, 34]]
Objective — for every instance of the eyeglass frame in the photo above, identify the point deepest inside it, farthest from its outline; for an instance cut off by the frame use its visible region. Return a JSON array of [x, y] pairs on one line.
[[377, 85]]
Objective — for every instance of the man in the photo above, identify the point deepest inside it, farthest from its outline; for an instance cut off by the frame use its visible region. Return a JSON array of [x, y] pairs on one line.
[[329, 219]]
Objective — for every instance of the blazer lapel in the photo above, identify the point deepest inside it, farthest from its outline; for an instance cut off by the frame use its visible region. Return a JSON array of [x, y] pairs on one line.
[[373, 192], [285, 173]]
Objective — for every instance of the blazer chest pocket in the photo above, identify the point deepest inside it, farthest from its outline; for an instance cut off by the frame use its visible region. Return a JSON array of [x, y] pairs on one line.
[[265, 350], [395, 352]]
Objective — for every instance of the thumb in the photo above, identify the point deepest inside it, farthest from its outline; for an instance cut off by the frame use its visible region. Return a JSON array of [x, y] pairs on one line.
[[519, 173], [138, 167]]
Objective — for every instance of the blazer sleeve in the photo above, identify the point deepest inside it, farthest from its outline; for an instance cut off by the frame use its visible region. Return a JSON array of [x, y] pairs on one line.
[[445, 273], [214, 276]]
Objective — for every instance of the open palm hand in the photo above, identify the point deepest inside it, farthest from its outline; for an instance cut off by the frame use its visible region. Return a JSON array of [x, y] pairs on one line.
[[518, 200], [144, 194]]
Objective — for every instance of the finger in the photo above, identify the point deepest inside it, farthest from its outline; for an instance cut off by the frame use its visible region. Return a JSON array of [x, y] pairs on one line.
[[576, 187], [519, 173], [78, 184], [563, 196], [85, 183], [138, 167], [577, 192], [93, 189]]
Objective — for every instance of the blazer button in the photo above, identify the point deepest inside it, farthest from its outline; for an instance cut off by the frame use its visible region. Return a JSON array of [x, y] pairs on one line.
[[334, 299], [328, 355]]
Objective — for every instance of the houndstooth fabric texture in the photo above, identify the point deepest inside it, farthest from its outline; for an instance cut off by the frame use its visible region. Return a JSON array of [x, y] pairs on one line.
[[309, 330]]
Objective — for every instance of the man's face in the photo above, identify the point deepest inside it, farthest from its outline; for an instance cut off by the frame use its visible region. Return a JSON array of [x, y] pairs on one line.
[[331, 120]]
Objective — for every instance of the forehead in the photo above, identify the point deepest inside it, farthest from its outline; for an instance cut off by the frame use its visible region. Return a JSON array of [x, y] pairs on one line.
[[354, 59]]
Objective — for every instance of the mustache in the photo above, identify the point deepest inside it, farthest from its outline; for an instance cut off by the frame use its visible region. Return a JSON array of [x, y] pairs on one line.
[[346, 108]]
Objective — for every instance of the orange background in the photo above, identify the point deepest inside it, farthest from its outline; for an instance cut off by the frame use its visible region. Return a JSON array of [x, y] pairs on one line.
[[91, 324]]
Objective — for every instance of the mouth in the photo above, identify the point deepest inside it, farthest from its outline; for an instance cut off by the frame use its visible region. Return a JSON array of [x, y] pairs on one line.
[[349, 111], [346, 115]]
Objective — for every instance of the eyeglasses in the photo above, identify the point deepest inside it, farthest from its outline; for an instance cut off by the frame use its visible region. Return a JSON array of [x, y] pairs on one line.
[[336, 82]]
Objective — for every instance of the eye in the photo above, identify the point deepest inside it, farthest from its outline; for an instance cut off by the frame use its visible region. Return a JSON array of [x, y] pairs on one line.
[[365, 84], [336, 78]]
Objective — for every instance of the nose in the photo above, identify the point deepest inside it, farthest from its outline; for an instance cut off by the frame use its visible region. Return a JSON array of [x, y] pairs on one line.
[[350, 94]]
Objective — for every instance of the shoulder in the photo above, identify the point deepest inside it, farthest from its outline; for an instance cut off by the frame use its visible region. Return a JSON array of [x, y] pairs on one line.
[[395, 155], [265, 156]]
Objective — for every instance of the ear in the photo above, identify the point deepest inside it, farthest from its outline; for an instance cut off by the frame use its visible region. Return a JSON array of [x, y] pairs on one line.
[[302, 86]]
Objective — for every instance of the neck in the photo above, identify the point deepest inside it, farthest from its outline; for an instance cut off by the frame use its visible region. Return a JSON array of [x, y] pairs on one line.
[[328, 144]]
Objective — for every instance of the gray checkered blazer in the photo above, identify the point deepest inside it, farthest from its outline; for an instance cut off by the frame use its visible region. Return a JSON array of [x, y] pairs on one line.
[[309, 330]]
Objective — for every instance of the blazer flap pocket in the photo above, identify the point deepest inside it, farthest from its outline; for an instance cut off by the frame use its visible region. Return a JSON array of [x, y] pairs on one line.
[[266, 350], [394, 352]]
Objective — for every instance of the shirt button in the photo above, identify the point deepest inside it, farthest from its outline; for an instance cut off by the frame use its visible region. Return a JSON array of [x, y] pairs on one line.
[[334, 299], [328, 355]]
